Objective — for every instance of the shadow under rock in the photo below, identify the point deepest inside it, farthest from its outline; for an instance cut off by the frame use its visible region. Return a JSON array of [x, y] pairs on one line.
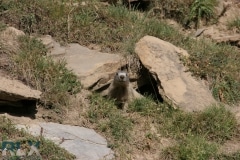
[[26, 108]]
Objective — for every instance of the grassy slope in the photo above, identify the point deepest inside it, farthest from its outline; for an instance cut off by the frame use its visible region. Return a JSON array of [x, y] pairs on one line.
[[120, 30], [138, 131]]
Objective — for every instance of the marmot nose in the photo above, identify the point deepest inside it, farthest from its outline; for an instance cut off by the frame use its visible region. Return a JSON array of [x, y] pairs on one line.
[[122, 77]]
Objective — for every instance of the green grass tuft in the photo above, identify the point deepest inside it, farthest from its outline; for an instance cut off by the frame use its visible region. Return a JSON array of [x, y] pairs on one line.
[[202, 9], [32, 66], [193, 147], [219, 64], [144, 106], [215, 124], [120, 127], [109, 119]]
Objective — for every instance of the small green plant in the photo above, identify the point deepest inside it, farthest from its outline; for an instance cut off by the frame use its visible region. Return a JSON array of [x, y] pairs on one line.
[[192, 147], [144, 106], [27, 23], [3, 6], [202, 9], [7, 129]]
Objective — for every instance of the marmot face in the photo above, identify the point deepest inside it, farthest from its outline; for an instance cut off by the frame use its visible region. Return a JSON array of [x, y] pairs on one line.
[[121, 77]]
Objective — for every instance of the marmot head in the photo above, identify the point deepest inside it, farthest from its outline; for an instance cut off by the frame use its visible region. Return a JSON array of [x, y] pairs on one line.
[[121, 78]]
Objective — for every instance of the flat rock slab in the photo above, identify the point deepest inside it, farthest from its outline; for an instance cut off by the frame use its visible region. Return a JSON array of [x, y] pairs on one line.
[[89, 65], [13, 90], [175, 84], [222, 36], [84, 143]]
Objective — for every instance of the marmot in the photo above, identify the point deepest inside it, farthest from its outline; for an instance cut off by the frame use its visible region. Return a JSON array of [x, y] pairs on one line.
[[119, 89]]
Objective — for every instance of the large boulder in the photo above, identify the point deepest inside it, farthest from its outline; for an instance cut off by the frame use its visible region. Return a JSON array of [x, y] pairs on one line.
[[15, 97], [14, 90], [92, 67], [84, 143], [8, 44], [175, 85], [9, 39], [89, 65]]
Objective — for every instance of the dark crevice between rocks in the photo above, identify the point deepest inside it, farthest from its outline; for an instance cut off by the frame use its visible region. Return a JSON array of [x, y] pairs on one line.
[[231, 43], [235, 44], [19, 108], [141, 5], [148, 86]]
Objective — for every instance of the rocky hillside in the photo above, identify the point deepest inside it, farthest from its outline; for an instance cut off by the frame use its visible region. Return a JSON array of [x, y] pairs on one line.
[[57, 61]]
